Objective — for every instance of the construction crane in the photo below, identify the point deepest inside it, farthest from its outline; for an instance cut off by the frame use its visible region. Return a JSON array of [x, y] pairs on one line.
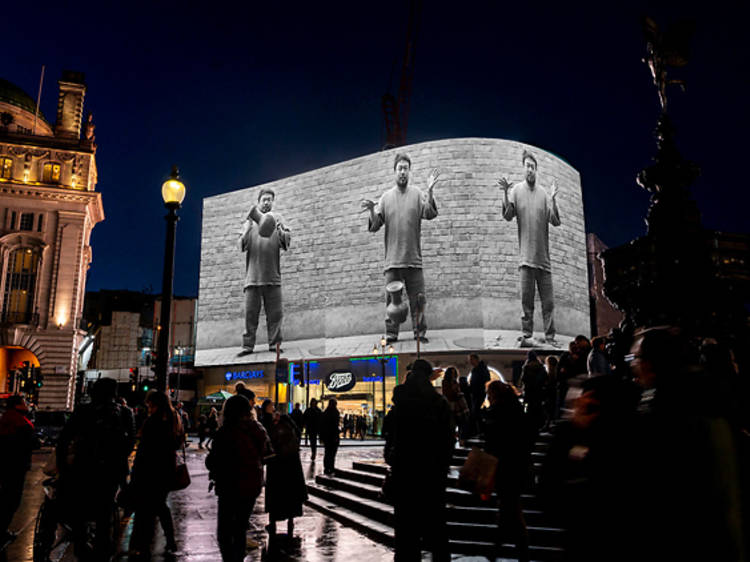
[[396, 111]]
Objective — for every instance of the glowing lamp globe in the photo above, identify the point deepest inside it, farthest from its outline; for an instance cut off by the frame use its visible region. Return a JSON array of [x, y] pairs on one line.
[[173, 190]]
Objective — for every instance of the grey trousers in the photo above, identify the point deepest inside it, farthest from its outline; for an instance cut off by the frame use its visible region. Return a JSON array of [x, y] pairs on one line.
[[532, 277], [413, 279], [271, 297]]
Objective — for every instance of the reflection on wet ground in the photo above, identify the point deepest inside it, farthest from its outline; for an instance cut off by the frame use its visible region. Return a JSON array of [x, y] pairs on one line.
[[316, 537]]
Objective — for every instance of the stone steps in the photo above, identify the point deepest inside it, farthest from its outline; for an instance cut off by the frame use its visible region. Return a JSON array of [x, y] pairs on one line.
[[353, 496]]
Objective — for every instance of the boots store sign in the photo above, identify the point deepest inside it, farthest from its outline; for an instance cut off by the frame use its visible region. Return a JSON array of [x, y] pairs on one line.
[[340, 381]]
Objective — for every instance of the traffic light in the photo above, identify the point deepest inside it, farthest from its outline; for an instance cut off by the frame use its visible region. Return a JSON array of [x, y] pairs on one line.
[[146, 385], [37, 377], [133, 378]]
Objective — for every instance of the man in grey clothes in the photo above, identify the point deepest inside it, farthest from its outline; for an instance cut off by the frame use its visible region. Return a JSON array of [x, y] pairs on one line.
[[401, 209], [534, 210], [263, 274]]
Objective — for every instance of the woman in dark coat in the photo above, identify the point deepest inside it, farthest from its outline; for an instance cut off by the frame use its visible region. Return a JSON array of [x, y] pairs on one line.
[[267, 412], [154, 473], [506, 432], [329, 434], [235, 465], [286, 490]]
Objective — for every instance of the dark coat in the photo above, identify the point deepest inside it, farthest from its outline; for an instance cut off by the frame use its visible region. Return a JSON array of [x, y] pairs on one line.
[[312, 419], [534, 381], [507, 437], [480, 376], [17, 441], [286, 490], [329, 426], [156, 459], [298, 418], [420, 433], [235, 462]]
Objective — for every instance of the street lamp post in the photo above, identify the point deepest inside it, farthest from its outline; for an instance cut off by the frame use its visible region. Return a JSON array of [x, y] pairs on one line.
[[380, 350], [173, 192]]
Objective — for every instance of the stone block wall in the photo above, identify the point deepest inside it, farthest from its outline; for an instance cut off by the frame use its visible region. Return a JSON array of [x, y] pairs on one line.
[[333, 272]]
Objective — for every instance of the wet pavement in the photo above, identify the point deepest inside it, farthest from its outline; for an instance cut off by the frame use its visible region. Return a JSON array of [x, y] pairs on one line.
[[316, 536]]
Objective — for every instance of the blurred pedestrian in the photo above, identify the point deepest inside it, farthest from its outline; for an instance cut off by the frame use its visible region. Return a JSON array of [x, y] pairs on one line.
[[184, 418], [311, 421], [329, 434], [298, 418], [457, 402], [478, 379], [202, 430], [505, 439], [92, 459], [16, 442], [235, 466], [153, 473], [419, 448], [267, 410], [597, 362], [534, 384], [212, 425], [550, 394], [286, 490]]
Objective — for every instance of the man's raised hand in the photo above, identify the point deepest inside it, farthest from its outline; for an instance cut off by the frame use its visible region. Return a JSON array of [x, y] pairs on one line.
[[554, 190], [504, 184], [433, 178], [367, 204]]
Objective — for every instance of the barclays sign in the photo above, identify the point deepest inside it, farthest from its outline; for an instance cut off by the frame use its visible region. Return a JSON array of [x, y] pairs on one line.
[[243, 375]]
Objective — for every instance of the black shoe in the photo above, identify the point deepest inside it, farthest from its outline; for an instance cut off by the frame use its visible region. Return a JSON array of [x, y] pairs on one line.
[[391, 339], [245, 351], [422, 339], [272, 348]]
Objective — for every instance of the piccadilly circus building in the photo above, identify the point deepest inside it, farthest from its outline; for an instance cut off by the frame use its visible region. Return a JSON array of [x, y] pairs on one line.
[[333, 283]]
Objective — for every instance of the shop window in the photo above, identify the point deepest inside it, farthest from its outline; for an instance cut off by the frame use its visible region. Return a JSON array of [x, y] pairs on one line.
[[51, 173], [6, 168], [20, 285], [27, 221]]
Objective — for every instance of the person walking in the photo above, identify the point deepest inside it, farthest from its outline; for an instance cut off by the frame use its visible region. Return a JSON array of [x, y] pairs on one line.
[[286, 490], [505, 439], [311, 420], [235, 465], [550, 394], [329, 434], [534, 384], [597, 362], [154, 472], [92, 459], [16, 442], [202, 430], [212, 425], [478, 379], [298, 418], [419, 445], [456, 400]]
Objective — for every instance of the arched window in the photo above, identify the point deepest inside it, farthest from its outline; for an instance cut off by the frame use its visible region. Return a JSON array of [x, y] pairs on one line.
[[20, 286], [51, 172], [6, 168]]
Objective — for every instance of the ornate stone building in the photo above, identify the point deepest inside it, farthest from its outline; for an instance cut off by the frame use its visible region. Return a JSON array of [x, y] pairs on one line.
[[48, 208]]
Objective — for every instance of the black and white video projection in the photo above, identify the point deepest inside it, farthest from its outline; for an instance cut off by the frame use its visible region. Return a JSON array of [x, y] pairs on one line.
[[468, 234]]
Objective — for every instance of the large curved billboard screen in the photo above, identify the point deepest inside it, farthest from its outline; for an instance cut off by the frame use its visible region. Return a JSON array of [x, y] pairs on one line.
[[465, 244]]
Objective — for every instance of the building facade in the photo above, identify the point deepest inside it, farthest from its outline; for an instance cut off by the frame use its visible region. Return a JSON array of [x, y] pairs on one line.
[[48, 209]]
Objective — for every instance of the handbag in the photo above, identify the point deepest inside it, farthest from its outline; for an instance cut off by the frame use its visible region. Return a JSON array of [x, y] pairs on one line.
[[477, 475], [181, 478]]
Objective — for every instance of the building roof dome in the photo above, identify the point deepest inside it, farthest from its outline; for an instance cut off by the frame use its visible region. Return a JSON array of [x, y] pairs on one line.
[[13, 95]]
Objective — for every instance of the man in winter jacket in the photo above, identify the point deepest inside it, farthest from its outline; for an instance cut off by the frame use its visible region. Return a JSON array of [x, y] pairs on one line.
[[419, 445]]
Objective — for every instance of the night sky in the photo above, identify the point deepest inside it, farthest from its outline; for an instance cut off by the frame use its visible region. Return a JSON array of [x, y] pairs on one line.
[[242, 96]]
